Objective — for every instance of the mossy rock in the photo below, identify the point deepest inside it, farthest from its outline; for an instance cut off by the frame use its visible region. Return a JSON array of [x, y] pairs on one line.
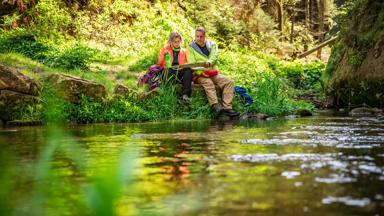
[[303, 112], [365, 112], [368, 92], [20, 123], [72, 88]]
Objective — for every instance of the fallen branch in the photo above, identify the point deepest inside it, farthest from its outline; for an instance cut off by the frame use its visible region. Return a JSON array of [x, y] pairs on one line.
[[323, 44]]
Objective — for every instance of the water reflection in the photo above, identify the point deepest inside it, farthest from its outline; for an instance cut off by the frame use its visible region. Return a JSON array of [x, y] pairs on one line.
[[308, 166]]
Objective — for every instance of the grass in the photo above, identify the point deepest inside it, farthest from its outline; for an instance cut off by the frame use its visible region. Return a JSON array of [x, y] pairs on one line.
[[270, 82]]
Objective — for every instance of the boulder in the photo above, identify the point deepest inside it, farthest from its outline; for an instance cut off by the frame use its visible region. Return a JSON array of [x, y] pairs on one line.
[[258, 116], [71, 88], [364, 112], [16, 92], [20, 123], [11, 103], [355, 74], [124, 91], [303, 112], [13, 80]]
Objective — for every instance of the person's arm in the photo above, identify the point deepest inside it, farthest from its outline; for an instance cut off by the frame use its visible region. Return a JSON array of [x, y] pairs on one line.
[[213, 55], [191, 55]]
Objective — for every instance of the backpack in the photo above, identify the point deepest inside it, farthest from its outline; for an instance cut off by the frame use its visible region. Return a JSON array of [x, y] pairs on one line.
[[151, 79]]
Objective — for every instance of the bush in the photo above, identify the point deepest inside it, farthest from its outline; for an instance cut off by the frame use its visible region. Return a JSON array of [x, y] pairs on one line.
[[23, 42], [65, 55], [76, 57]]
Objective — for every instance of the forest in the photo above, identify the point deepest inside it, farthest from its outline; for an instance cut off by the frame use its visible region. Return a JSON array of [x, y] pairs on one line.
[[113, 42], [80, 136]]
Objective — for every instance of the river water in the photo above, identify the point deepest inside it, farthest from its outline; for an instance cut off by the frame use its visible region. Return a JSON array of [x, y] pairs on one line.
[[320, 165]]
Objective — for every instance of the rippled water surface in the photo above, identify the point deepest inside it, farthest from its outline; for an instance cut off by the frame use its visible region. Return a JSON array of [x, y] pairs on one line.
[[321, 165]]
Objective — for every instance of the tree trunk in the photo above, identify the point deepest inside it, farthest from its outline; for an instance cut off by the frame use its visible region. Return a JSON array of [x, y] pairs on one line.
[[307, 18], [280, 15], [310, 15], [325, 43], [270, 7], [292, 24], [321, 26]]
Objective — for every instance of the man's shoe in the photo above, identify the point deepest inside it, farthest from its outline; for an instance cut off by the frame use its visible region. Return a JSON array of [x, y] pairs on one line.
[[231, 113], [218, 108]]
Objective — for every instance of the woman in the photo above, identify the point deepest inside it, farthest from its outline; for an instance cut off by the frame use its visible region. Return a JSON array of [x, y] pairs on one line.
[[171, 56]]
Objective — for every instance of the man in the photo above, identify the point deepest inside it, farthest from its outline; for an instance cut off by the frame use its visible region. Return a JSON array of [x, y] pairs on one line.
[[203, 50]]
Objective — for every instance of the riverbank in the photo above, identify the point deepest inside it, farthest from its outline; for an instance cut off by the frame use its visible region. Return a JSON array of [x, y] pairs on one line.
[[92, 96]]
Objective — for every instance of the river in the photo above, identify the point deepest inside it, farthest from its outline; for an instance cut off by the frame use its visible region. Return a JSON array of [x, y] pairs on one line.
[[319, 165]]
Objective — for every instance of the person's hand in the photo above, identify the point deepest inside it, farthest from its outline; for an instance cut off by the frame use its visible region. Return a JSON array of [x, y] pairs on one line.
[[204, 75], [207, 64]]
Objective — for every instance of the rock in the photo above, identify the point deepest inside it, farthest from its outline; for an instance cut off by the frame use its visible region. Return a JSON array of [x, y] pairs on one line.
[[303, 112], [364, 112], [356, 74], [16, 92], [124, 91], [380, 118], [292, 116], [12, 102], [72, 88], [13, 80], [259, 116], [18, 123]]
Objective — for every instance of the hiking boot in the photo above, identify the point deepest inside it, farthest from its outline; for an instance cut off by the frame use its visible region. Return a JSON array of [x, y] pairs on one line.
[[185, 98], [218, 108], [231, 113]]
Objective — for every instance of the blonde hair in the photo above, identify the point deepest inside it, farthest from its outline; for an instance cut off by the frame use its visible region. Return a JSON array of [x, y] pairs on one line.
[[174, 35]]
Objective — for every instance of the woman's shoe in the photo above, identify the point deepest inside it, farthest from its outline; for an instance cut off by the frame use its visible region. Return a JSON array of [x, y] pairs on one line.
[[185, 98]]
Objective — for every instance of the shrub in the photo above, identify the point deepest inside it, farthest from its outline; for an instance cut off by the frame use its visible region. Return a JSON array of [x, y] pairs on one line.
[[76, 57], [23, 42]]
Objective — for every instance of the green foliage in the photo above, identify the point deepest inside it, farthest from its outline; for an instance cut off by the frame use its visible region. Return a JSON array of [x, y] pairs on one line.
[[22, 42], [112, 110], [355, 57], [198, 108], [333, 59], [270, 81], [130, 34], [50, 182], [244, 24], [161, 107], [164, 106], [53, 20], [108, 186], [66, 55], [361, 24], [55, 110], [76, 57]]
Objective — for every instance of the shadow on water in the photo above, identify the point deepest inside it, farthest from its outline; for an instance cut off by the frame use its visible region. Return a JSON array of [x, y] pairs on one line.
[[322, 165]]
